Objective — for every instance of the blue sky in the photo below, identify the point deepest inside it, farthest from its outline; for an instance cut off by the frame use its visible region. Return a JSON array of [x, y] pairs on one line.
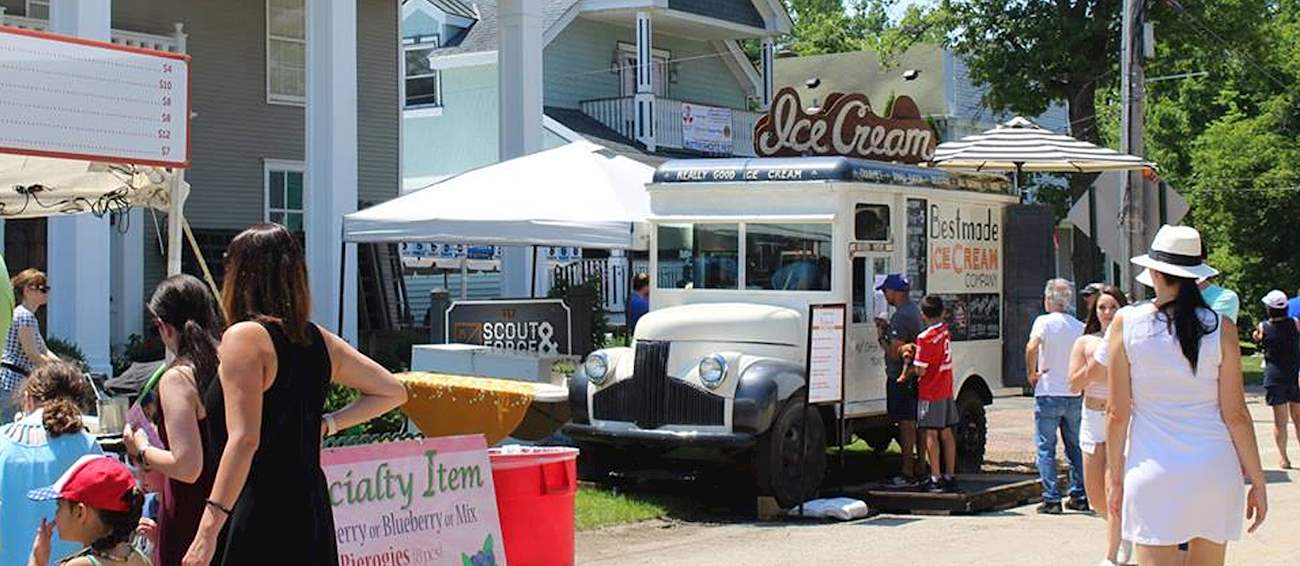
[[902, 5]]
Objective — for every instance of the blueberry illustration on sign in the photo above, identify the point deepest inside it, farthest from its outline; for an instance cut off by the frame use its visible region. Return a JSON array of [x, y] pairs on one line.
[[484, 557]]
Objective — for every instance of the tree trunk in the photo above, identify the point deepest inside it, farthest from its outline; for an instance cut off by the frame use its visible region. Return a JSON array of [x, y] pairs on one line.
[[1083, 125]]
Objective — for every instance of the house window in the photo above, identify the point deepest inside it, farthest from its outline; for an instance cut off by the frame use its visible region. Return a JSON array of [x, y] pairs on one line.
[[422, 84], [39, 9], [284, 195], [626, 58], [286, 52]]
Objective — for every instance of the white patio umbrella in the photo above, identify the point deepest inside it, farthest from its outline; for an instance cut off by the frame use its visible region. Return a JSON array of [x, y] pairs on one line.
[[1021, 145]]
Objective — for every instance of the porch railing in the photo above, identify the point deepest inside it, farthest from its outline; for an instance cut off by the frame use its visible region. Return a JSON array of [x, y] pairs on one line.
[[174, 43], [618, 114], [614, 281]]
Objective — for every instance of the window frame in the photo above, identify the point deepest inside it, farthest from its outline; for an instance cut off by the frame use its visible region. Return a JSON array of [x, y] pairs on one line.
[[434, 109], [830, 226], [270, 166], [27, 8], [659, 72], [268, 37], [742, 251]]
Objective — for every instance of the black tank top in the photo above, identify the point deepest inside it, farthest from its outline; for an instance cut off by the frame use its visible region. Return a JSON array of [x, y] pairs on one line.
[[284, 508], [1281, 346]]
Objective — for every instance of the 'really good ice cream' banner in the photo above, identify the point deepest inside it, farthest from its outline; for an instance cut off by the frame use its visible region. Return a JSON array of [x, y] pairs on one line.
[[422, 501]]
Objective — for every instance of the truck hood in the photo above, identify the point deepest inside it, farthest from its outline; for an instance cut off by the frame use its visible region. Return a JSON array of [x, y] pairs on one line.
[[723, 322]]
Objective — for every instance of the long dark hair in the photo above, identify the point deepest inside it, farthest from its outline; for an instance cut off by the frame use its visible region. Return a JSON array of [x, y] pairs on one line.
[[121, 524], [1183, 317], [1093, 325], [184, 303], [61, 391], [266, 280]]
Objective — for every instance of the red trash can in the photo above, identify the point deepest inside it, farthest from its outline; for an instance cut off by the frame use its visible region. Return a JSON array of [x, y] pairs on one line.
[[535, 490]]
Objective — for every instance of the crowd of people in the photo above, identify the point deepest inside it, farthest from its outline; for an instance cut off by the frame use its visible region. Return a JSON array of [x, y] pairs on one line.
[[240, 419]]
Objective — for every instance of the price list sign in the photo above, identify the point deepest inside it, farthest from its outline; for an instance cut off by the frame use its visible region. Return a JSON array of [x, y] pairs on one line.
[[826, 353], [75, 98]]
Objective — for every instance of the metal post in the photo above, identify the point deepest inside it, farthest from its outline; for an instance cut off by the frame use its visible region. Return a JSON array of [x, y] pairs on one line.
[[343, 277], [532, 282]]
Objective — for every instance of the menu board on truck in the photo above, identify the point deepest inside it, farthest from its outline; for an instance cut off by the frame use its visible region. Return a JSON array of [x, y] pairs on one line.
[[826, 353]]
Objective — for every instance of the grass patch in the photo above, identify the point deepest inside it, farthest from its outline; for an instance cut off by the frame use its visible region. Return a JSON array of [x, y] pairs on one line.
[[597, 507], [1252, 369]]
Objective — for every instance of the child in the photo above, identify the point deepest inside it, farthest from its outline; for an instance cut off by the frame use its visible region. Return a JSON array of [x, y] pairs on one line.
[[1279, 337], [99, 507], [936, 411]]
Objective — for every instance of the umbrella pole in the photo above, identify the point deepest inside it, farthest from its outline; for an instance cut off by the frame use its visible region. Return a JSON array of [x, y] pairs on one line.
[[1016, 182]]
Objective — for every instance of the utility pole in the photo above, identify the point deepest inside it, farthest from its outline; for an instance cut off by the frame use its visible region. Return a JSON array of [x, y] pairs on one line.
[[1133, 93]]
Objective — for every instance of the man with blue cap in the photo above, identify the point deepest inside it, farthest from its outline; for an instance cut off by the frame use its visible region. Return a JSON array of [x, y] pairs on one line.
[[904, 325]]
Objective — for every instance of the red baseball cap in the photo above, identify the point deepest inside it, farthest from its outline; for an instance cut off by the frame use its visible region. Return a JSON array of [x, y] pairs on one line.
[[97, 481]]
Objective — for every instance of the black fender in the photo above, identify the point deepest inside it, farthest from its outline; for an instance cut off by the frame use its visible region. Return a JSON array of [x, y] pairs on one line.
[[976, 385], [763, 386], [578, 402]]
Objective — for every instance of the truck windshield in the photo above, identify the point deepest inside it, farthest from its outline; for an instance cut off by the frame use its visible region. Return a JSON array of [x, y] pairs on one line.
[[698, 256], [788, 257]]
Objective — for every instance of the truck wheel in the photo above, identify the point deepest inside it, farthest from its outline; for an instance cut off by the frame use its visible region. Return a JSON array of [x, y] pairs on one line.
[[971, 433], [595, 462], [778, 462]]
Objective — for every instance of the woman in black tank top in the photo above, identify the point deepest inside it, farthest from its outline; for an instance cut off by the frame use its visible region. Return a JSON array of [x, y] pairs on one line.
[[1279, 338], [265, 412]]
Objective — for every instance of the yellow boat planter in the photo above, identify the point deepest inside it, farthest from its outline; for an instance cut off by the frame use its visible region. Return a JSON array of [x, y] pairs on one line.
[[447, 405]]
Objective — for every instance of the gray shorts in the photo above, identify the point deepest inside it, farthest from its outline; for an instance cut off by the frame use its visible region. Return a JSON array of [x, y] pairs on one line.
[[937, 414]]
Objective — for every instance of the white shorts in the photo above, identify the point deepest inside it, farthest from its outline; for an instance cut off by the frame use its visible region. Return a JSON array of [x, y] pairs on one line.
[[1092, 430]]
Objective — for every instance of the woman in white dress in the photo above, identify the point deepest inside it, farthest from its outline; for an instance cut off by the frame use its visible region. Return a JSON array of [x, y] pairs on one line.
[[1177, 403], [1088, 377]]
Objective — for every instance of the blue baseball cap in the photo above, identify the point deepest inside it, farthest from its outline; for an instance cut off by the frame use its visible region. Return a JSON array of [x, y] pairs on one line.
[[895, 282]]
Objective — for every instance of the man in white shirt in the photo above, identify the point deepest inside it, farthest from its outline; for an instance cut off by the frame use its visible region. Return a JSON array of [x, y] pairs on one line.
[[1047, 357]]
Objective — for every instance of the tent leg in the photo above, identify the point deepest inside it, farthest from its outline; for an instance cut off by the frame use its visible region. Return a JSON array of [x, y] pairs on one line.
[[175, 217], [343, 271], [532, 283]]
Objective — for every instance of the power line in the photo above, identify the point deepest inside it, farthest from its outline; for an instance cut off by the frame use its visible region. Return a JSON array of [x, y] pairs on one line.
[[1178, 9]]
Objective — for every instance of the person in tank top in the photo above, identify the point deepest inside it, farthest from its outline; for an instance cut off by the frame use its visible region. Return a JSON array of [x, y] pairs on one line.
[[265, 412], [1279, 338]]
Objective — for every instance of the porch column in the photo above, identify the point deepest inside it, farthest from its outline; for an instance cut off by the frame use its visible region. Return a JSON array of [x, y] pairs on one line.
[[331, 164], [519, 130], [78, 248], [768, 54], [645, 92]]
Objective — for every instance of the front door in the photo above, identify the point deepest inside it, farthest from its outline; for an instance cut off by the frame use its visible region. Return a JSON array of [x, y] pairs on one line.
[[865, 390]]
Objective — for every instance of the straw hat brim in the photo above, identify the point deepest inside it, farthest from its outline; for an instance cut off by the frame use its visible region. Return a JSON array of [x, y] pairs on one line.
[[1197, 272]]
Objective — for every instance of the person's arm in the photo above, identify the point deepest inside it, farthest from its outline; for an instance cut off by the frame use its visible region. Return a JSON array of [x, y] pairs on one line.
[[1119, 409], [1079, 372], [247, 358], [1241, 426], [27, 340], [1031, 359], [380, 391], [182, 460]]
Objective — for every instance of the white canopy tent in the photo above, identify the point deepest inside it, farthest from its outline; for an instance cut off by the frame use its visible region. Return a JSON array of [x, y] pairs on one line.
[[579, 195]]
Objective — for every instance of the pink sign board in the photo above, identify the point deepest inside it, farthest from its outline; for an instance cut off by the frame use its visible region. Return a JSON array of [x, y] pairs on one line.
[[423, 501]]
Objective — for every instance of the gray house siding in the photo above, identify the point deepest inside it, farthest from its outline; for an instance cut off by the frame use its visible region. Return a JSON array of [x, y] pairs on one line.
[[965, 102], [737, 11], [577, 67]]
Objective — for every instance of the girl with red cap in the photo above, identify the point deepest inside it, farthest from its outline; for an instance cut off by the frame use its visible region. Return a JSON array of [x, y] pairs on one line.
[[99, 507]]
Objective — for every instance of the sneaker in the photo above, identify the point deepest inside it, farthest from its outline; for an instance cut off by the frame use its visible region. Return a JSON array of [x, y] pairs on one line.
[[933, 485], [1079, 504], [1125, 554], [950, 485], [1106, 562], [1049, 508], [900, 481]]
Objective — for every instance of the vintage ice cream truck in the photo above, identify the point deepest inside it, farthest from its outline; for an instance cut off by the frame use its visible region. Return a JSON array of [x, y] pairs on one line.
[[740, 249]]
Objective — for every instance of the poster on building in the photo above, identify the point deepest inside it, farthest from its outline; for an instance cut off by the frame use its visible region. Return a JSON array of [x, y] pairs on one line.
[[421, 501], [706, 128], [965, 248], [826, 353]]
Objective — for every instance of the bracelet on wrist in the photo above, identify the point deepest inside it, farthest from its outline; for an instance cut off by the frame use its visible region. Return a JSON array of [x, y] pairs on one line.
[[219, 507]]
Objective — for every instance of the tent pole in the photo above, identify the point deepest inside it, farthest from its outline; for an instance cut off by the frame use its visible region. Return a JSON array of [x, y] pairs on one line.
[[532, 284], [175, 216], [343, 271]]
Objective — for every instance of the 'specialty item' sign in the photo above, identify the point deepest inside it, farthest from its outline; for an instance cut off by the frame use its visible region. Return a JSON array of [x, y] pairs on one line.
[[423, 501], [826, 353], [844, 125], [75, 98]]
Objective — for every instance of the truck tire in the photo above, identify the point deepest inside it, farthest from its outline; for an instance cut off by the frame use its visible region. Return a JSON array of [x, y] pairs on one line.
[[777, 461], [595, 462], [972, 432]]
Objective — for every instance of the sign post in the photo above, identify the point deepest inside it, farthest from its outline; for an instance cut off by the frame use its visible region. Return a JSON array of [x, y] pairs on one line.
[[826, 347], [74, 98]]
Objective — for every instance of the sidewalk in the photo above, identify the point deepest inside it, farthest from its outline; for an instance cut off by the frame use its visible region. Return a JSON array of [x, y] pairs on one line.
[[1016, 536]]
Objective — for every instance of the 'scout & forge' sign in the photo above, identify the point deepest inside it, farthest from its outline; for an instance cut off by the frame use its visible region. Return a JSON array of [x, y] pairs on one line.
[[845, 125]]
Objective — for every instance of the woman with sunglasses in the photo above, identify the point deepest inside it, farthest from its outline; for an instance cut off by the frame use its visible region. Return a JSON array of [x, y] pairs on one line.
[[24, 347]]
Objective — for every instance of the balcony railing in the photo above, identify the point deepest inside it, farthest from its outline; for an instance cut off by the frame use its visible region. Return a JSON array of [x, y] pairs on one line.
[[618, 114], [174, 43]]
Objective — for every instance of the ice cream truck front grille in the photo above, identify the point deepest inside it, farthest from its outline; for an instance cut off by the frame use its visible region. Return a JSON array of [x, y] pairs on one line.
[[652, 399]]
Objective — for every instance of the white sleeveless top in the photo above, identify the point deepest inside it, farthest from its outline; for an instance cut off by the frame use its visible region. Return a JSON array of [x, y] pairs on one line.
[[1182, 478], [1096, 389]]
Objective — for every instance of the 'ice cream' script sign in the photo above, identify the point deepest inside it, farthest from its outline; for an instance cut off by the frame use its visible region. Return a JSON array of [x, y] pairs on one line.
[[845, 125]]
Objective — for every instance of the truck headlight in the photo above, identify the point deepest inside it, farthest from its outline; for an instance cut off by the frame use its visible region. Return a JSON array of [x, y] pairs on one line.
[[596, 367], [712, 370]]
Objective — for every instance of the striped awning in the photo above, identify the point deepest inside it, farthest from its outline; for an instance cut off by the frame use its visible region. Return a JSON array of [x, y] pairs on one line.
[[1022, 145]]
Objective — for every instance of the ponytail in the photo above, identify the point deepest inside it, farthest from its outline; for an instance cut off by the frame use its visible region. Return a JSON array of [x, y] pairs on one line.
[[121, 524], [1184, 318], [198, 348]]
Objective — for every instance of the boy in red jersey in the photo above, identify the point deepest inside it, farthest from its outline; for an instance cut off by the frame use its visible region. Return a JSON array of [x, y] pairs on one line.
[[936, 409]]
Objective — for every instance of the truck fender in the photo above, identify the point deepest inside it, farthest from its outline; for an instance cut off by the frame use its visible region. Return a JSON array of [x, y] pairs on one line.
[[579, 408], [763, 386]]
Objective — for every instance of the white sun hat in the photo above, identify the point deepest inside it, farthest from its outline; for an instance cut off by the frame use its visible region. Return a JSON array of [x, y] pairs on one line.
[[1275, 299], [1175, 251]]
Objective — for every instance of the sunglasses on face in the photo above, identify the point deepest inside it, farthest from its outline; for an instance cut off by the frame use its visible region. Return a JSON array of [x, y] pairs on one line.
[[41, 288]]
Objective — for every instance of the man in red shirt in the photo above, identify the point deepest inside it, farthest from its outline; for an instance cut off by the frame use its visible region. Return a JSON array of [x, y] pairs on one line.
[[936, 410]]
